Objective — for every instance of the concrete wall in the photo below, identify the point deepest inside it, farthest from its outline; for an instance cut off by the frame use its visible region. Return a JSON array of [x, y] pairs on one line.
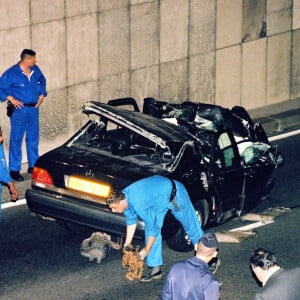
[[213, 51]]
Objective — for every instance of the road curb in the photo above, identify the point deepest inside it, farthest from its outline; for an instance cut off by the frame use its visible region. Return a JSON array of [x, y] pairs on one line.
[[280, 123]]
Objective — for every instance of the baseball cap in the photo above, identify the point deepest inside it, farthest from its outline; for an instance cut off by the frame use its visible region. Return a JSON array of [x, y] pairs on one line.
[[209, 240]]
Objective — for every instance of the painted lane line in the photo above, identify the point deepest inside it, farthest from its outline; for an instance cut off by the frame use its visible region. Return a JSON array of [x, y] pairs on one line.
[[252, 226], [284, 135], [13, 204]]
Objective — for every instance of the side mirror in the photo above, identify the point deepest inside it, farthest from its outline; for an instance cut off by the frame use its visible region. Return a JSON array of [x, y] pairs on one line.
[[279, 159]]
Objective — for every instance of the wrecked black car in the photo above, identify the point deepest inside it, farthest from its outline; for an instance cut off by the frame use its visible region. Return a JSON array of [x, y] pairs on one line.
[[224, 160]]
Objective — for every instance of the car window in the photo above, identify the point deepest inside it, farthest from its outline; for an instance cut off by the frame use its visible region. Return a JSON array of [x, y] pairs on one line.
[[226, 156]]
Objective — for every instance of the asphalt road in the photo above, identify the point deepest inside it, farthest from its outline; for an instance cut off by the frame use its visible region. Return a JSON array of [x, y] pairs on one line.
[[41, 260]]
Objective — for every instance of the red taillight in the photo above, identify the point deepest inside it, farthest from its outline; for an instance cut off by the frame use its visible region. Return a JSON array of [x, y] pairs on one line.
[[41, 175]]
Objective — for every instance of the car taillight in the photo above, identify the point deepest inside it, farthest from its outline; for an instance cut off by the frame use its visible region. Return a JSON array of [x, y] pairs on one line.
[[40, 175]]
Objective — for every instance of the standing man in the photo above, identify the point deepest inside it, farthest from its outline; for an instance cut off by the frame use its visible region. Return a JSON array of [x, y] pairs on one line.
[[4, 176], [191, 279], [277, 283], [150, 199], [24, 85]]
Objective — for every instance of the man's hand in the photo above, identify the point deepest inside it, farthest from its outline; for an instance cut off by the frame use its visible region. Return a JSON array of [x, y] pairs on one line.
[[13, 192], [142, 254], [40, 101], [128, 247], [16, 103]]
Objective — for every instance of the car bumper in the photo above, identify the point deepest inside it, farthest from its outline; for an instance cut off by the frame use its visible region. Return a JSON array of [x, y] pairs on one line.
[[64, 208]]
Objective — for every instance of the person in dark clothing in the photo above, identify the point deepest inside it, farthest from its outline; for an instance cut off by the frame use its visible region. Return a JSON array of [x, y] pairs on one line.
[[24, 86], [277, 283], [191, 279]]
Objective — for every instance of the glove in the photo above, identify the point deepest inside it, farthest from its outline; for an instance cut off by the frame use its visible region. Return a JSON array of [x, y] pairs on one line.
[[142, 254]]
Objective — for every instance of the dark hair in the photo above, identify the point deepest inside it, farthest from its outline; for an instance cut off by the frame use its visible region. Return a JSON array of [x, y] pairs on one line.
[[263, 258], [26, 52], [115, 197]]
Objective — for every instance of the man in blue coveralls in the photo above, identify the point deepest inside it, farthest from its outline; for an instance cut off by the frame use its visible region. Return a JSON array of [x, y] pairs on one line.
[[149, 199], [4, 176], [24, 85]]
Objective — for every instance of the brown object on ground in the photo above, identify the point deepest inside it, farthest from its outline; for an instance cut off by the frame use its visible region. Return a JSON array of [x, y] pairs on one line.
[[266, 216], [135, 266], [234, 236]]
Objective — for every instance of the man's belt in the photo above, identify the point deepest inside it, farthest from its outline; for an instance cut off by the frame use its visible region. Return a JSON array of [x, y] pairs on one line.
[[29, 104], [173, 194]]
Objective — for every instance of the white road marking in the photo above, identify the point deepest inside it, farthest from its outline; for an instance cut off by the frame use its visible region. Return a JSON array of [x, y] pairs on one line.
[[252, 226], [13, 204], [284, 135]]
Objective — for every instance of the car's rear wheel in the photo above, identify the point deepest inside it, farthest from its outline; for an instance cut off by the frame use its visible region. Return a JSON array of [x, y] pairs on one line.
[[180, 240]]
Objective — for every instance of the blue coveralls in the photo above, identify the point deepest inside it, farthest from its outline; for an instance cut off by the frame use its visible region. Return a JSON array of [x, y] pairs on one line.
[[190, 279], [4, 175], [14, 82], [149, 199]]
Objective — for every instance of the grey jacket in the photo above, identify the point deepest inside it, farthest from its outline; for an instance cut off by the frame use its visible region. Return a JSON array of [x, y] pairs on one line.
[[282, 285]]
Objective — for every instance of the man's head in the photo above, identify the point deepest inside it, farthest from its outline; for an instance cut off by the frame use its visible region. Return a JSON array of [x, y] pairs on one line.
[[28, 57], [117, 202], [207, 247], [262, 261]]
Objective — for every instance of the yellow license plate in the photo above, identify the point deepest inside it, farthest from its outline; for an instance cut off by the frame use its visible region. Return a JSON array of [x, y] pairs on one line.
[[88, 186]]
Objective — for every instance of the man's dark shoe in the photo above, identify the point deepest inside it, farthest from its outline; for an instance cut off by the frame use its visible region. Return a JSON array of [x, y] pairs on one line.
[[30, 170], [15, 175], [152, 274]]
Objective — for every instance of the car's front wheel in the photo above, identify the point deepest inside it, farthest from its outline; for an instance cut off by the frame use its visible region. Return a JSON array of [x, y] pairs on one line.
[[180, 240]]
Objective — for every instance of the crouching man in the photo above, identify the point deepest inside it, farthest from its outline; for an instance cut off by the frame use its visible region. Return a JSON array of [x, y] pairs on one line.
[[277, 283], [150, 199], [191, 278]]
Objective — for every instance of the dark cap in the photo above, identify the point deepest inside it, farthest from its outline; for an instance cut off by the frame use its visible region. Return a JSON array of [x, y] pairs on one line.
[[209, 240]]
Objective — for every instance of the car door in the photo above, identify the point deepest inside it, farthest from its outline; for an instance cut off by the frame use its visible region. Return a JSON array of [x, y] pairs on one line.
[[226, 173], [258, 171]]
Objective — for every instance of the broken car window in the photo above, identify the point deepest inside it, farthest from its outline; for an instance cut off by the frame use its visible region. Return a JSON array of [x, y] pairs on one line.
[[118, 140]]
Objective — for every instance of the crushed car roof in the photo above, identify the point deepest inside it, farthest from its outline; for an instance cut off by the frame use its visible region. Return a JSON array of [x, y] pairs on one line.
[[141, 123]]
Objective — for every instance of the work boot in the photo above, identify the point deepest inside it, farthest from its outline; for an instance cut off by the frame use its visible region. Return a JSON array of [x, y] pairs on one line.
[[15, 175], [152, 273]]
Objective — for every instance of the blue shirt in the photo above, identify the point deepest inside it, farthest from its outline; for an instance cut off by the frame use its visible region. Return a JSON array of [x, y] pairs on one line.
[[4, 175], [14, 82], [190, 279], [149, 199]]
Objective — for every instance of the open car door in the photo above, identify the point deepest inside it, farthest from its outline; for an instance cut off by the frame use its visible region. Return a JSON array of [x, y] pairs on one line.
[[228, 175]]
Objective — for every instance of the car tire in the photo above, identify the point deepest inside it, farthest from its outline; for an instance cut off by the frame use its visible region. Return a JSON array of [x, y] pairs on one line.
[[180, 241]]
